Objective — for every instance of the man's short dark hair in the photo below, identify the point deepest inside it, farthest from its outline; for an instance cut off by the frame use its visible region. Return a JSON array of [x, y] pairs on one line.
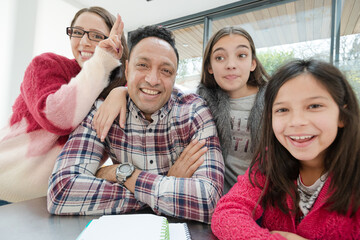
[[152, 31]]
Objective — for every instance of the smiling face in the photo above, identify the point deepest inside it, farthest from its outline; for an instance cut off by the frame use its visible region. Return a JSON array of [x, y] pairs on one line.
[[231, 63], [83, 48], [305, 119], [150, 73]]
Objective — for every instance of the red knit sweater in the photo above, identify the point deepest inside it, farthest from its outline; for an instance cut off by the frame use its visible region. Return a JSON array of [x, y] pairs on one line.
[[233, 218], [44, 76], [56, 95]]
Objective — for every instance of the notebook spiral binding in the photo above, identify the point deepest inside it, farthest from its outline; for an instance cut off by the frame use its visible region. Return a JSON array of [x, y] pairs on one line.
[[165, 234], [187, 232]]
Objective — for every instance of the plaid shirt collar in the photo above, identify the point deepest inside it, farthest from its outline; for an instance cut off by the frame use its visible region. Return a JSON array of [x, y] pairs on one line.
[[162, 112]]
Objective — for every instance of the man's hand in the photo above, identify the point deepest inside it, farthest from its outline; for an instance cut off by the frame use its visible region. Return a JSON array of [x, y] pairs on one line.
[[289, 235], [107, 173], [189, 161]]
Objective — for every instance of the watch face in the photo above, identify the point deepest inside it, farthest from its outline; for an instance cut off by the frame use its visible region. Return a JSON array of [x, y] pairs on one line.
[[125, 169]]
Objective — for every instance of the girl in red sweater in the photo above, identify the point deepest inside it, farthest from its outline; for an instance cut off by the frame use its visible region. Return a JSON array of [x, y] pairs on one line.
[[56, 94], [304, 182]]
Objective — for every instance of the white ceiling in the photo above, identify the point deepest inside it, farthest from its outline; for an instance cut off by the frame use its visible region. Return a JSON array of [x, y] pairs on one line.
[[136, 13]]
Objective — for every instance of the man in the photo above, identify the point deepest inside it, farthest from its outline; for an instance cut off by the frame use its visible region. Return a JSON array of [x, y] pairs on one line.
[[157, 157]]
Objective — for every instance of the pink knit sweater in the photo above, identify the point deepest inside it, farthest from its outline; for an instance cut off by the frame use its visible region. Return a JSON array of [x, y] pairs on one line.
[[56, 94], [233, 218]]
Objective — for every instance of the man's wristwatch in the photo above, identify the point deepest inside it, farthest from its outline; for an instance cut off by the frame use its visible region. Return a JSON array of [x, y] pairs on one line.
[[123, 172]]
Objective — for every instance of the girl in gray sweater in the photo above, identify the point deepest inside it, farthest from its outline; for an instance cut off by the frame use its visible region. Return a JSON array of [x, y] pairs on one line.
[[233, 83]]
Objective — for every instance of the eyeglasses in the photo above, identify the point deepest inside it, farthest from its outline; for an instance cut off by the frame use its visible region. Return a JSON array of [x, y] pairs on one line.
[[79, 33]]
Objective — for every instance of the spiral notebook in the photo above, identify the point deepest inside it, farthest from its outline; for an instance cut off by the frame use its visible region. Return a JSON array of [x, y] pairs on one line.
[[134, 226]]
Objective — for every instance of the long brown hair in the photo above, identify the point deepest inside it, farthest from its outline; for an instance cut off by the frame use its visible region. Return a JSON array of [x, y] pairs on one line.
[[342, 159], [117, 76], [257, 77]]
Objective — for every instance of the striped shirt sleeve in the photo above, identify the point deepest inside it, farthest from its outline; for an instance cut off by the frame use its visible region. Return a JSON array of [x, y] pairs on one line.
[[73, 187]]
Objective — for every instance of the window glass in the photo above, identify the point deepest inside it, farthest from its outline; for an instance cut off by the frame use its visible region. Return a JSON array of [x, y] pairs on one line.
[[349, 52], [189, 42]]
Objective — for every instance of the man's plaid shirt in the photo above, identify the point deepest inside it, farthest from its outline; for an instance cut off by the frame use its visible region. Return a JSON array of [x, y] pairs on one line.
[[152, 147]]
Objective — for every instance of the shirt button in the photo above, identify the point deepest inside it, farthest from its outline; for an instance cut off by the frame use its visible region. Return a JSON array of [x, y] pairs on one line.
[[151, 161], [150, 130]]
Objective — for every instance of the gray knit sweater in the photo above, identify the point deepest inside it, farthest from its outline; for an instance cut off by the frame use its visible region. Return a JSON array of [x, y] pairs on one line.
[[219, 104]]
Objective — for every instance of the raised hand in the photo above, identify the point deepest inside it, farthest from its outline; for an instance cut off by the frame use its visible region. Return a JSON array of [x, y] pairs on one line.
[[113, 43], [189, 161]]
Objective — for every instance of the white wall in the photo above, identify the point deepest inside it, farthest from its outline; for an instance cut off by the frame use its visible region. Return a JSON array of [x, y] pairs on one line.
[[31, 27], [7, 18], [50, 33]]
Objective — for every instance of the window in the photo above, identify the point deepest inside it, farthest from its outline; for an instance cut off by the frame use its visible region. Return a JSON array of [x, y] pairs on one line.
[[189, 43], [348, 58], [281, 30], [299, 29]]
